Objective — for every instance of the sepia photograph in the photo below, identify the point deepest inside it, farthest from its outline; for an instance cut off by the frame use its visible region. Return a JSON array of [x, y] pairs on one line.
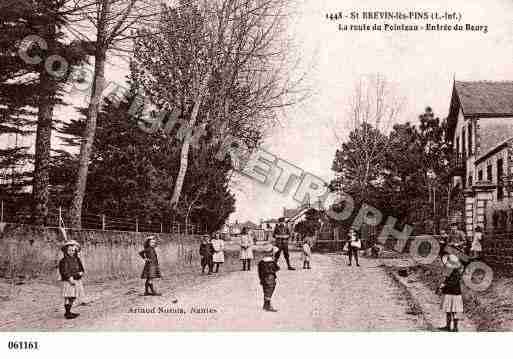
[[268, 166]]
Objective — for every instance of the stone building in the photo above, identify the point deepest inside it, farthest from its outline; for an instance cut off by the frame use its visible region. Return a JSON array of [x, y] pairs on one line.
[[480, 127]]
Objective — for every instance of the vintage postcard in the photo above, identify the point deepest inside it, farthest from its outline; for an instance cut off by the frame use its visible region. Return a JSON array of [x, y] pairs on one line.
[[255, 165]]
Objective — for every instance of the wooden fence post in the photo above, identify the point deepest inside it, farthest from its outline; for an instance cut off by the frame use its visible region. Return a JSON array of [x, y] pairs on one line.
[[136, 225]]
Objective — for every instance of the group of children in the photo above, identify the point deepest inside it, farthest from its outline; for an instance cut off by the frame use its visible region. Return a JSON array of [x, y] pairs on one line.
[[457, 238], [212, 253], [267, 267]]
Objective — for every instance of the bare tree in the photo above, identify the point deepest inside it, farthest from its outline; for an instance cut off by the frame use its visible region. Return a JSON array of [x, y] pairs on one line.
[[373, 109], [113, 23], [222, 63]]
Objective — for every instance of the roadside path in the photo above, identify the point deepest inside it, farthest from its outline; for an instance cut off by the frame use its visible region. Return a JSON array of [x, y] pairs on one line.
[[331, 296]]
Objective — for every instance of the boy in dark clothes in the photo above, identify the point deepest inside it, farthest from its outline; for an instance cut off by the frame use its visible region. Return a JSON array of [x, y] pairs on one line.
[[206, 251], [267, 269]]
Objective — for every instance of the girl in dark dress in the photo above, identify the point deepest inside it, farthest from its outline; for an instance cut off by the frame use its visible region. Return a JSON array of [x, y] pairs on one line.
[[151, 267], [452, 302], [71, 271]]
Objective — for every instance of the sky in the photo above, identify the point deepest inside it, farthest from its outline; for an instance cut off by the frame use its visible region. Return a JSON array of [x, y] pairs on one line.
[[420, 66]]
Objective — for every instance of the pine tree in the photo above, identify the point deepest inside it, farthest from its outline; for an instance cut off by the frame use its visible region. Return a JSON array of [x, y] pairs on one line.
[[18, 96], [29, 83]]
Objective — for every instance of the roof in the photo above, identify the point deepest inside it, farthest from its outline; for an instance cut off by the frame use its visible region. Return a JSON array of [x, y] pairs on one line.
[[249, 225], [270, 221], [493, 150], [289, 213], [485, 97], [479, 99]]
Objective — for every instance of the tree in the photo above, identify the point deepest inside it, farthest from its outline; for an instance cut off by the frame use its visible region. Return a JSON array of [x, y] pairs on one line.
[[33, 71], [404, 185], [130, 169], [358, 163], [310, 225], [219, 64], [113, 21], [416, 173]]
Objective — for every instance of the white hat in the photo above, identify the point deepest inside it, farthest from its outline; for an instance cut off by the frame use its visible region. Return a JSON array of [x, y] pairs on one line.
[[269, 248], [70, 243]]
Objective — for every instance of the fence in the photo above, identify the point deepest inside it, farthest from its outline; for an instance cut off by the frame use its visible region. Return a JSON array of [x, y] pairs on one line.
[[60, 217]]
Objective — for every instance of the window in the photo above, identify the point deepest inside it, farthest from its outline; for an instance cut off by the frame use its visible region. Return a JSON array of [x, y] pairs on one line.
[[489, 176], [470, 181], [500, 172], [470, 139], [463, 145], [457, 145], [480, 175]]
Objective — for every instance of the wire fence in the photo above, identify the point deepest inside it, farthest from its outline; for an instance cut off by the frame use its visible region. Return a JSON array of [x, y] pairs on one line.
[[60, 217]]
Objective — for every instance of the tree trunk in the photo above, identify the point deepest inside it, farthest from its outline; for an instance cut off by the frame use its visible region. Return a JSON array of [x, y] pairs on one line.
[[41, 177], [186, 145], [87, 142]]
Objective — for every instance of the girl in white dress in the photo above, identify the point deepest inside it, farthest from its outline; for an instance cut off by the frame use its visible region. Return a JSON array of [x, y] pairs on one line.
[[476, 246], [218, 256], [246, 249]]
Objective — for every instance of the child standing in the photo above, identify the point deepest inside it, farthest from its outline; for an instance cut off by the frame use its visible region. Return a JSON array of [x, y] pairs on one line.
[[452, 302], [246, 249], [307, 251], [353, 245], [476, 247], [151, 268], [71, 271], [206, 252], [267, 269], [218, 245]]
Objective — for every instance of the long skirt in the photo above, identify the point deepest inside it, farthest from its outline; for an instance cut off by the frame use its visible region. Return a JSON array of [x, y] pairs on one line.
[[150, 271], [452, 303], [73, 291]]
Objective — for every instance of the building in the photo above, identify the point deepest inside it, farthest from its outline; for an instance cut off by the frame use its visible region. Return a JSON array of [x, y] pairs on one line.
[[268, 224], [480, 127]]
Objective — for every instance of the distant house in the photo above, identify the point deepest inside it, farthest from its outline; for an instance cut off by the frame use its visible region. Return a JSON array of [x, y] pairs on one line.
[[480, 127], [235, 228], [268, 224]]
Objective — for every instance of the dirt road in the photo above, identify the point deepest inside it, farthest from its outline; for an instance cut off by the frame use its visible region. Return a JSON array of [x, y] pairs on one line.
[[330, 296]]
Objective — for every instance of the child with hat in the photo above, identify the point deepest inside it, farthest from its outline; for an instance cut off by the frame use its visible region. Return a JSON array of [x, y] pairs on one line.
[[267, 269], [151, 268], [71, 271], [452, 301]]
